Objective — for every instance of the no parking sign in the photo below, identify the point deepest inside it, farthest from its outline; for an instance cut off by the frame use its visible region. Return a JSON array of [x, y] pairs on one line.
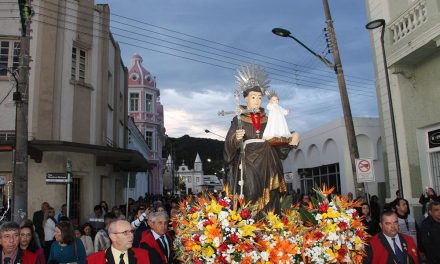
[[365, 170]]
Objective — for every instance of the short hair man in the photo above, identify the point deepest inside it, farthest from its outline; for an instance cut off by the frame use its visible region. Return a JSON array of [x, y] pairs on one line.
[[407, 223], [102, 239], [430, 233], [38, 219], [121, 249], [157, 241], [10, 251], [390, 246]]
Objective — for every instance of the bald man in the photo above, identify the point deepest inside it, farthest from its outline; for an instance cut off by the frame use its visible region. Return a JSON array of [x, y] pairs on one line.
[[121, 251]]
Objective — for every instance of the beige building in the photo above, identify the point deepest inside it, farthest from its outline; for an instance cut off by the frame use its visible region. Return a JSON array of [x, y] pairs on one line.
[[412, 40], [77, 105]]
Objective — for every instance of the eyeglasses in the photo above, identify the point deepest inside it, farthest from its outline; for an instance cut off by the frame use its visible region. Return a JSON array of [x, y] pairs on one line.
[[125, 233]]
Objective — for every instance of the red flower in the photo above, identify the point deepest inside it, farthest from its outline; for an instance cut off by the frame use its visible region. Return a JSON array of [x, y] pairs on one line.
[[245, 213], [223, 203], [342, 252], [207, 223], [223, 247], [342, 225], [360, 234], [193, 210], [234, 238], [318, 235], [354, 215], [221, 259], [323, 207], [196, 238], [285, 220]]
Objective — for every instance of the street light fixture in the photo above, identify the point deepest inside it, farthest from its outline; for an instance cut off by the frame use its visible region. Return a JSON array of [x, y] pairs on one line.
[[286, 34], [337, 67], [380, 23], [208, 131]]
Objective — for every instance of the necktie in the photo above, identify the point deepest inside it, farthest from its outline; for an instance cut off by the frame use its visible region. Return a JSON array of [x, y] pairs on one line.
[[121, 258], [162, 238], [399, 254], [7, 260]]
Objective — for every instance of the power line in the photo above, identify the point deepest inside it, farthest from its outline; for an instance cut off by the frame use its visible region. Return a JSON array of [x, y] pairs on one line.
[[188, 35], [194, 54]]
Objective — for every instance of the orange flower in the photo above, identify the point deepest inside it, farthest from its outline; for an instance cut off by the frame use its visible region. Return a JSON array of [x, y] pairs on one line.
[[246, 260], [326, 191]]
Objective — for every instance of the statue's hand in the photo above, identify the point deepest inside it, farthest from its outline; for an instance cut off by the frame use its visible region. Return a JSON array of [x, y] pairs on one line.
[[239, 134], [295, 139]]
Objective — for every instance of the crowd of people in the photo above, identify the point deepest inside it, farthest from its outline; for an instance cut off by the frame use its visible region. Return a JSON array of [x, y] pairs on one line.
[[145, 234]]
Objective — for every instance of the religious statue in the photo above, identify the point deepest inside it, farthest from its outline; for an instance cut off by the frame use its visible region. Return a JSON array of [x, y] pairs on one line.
[[255, 170]]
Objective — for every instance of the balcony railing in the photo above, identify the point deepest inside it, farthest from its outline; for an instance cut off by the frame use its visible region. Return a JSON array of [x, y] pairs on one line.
[[409, 21], [7, 136]]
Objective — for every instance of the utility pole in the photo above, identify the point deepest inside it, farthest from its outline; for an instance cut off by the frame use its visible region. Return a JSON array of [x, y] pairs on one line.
[[20, 178], [348, 119]]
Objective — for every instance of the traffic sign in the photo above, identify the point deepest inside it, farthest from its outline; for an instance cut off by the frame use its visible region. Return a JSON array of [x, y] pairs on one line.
[[365, 170]]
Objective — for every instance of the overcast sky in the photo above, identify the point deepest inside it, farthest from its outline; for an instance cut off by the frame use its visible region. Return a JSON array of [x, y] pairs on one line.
[[194, 48]]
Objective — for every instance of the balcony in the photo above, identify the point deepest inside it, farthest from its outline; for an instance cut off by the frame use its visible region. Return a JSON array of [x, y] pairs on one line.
[[414, 34], [7, 137]]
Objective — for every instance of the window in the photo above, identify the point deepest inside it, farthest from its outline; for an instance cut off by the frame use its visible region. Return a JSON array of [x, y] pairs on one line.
[[9, 56], [149, 138], [318, 176], [134, 102], [148, 103], [78, 64]]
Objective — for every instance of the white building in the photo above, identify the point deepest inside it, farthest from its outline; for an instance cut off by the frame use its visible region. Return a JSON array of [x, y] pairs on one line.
[[412, 41], [323, 157], [194, 179]]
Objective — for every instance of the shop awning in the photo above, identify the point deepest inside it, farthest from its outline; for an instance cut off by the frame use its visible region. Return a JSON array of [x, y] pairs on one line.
[[121, 159]]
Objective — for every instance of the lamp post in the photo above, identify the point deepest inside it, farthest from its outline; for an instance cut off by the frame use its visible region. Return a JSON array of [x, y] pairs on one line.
[[208, 131], [380, 23], [348, 119]]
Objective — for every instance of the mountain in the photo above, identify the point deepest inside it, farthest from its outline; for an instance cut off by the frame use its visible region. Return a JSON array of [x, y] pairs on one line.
[[186, 148]]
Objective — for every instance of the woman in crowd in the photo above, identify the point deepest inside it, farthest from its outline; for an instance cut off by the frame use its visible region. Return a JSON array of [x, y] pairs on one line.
[[372, 227], [88, 230], [427, 196], [49, 229], [104, 207], [28, 241], [86, 240], [66, 248]]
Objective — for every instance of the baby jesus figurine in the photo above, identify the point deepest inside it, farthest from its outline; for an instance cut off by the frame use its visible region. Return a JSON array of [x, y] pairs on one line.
[[276, 132]]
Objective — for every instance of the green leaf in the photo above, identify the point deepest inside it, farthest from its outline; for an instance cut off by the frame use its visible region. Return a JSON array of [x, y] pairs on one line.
[[307, 216], [286, 202], [315, 202]]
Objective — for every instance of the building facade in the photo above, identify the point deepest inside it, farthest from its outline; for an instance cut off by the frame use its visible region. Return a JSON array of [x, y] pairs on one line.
[[147, 112], [323, 157], [77, 102], [412, 41], [195, 181]]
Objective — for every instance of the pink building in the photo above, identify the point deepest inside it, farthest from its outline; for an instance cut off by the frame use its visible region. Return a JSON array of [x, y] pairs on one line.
[[145, 108]]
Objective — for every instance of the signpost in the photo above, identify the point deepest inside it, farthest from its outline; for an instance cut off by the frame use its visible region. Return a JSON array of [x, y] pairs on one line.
[[56, 177], [365, 173]]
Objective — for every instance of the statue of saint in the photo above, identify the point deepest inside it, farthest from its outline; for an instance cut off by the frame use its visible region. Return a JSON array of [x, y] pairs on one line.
[[254, 164]]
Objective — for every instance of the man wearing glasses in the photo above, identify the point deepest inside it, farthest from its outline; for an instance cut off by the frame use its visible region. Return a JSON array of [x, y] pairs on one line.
[[121, 251]]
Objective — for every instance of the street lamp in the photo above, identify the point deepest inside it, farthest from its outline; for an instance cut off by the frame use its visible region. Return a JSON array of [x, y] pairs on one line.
[[348, 119], [380, 23], [208, 131]]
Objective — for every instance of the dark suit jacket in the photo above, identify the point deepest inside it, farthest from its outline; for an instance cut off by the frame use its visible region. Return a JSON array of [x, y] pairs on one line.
[[155, 248], [135, 256], [38, 219]]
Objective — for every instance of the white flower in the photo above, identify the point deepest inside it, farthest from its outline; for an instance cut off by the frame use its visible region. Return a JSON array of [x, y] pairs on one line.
[[318, 217], [332, 236]]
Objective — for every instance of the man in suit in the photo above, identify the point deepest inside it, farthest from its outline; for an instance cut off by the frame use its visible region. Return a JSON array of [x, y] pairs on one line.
[[38, 219], [121, 251], [11, 253], [157, 241], [390, 246]]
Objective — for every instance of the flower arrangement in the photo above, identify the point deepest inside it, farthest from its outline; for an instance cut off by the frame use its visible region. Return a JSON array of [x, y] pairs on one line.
[[213, 229]]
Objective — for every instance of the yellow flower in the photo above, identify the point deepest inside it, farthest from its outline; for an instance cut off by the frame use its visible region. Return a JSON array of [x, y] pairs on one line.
[[248, 230], [193, 216], [196, 248], [214, 207], [234, 216], [208, 252], [332, 214], [330, 253]]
